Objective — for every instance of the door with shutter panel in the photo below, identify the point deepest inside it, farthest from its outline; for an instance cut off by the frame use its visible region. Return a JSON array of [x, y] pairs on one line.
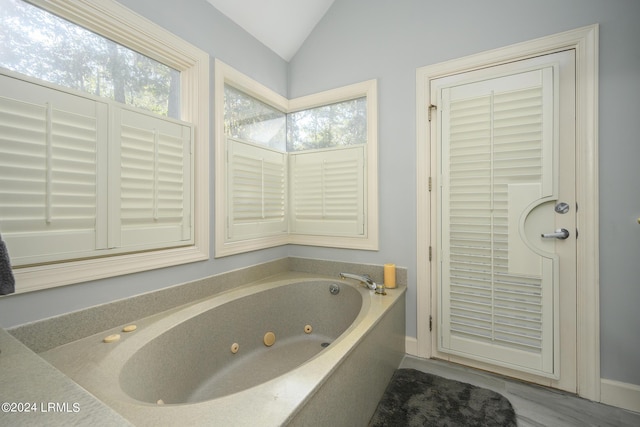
[[506, 150]]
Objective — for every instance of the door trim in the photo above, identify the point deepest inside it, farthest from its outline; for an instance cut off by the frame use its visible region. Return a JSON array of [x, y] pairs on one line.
[[585, 42]]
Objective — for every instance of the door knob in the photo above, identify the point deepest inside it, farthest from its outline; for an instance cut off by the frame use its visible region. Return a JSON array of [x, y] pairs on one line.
[[561, 233]]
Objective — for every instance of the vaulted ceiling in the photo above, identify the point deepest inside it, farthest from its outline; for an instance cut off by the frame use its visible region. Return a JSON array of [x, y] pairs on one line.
[[281, 25]]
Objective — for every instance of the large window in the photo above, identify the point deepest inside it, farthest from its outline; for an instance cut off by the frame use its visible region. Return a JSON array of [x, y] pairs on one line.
[[40, 44], [104, 132], [294, 171]]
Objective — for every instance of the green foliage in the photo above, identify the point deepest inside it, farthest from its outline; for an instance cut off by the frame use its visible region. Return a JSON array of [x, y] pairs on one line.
[[41, 45], [335, 125], [251, 120]]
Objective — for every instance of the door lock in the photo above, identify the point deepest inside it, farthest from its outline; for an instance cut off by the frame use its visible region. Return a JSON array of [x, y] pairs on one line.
[[562, 208]]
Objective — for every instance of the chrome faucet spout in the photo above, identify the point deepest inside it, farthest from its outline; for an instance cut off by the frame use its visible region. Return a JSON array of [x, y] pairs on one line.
[[365, 279]]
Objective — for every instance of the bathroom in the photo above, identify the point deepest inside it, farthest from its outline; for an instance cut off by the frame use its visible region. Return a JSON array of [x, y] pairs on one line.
[[360, 40]]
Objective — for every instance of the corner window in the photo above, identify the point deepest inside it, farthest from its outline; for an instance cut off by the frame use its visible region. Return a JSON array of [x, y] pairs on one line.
[[98, 158], [249, 119], [298, 171], [328, 126]]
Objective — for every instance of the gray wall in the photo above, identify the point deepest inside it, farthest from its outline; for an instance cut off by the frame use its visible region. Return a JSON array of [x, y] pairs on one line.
[[364, 39]]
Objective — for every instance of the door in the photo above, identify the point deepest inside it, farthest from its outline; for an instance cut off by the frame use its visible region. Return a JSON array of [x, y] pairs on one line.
[[506, 217]]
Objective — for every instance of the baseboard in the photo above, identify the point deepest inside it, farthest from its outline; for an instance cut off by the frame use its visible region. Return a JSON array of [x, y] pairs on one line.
[[411, 346], [619, 394]]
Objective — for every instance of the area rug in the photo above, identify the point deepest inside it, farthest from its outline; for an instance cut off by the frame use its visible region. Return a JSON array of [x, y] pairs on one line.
[[414, 398]]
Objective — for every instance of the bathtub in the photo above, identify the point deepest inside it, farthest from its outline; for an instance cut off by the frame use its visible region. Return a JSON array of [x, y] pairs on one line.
[[292, 350]]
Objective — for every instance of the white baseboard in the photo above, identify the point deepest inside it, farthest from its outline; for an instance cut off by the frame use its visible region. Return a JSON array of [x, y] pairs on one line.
[[619, 394], [411, 346]]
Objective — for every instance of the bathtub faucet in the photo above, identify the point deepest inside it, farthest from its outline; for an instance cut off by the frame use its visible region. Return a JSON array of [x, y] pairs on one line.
[[365, 279]]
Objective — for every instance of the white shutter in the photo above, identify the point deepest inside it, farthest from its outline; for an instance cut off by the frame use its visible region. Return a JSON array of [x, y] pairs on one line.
[[256, 191], [49, 142], [327, 192], [153, 174], [495, 154]]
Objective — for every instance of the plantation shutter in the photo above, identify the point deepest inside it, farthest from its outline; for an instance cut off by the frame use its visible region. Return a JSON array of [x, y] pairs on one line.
[[49, 144], [257, 190], [327, 192], [497, 159], [153, 172]]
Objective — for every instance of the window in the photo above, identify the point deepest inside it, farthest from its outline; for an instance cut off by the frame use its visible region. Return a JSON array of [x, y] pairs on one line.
[[298, 171], [256, 191], [328, 192], [39, 44], [335, 125], [249, 119], [83, 176]]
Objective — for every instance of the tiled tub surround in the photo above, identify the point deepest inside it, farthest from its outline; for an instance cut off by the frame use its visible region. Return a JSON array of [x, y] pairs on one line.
[[351, 372]]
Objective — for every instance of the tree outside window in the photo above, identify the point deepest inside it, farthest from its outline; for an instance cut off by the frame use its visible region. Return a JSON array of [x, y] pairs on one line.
[[41, 45]]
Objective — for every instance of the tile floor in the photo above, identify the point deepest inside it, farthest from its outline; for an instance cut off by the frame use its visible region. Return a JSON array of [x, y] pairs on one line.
[[535, 406]]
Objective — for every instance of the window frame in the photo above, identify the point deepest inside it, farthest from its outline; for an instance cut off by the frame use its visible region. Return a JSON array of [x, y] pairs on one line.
[[225, 74], [118, 23]]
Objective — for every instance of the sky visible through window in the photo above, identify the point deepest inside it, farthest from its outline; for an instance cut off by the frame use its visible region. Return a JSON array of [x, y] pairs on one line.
[[251, 120], [39, 44], [335, 125]]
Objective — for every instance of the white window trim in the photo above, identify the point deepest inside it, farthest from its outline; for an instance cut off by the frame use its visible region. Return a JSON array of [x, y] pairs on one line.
[[226, 74], [118, 23]]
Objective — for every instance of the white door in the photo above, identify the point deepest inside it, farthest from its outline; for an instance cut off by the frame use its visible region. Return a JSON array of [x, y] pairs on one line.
[[506, 217]]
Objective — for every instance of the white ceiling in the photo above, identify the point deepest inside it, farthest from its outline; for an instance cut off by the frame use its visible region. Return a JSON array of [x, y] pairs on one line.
[[281, 25]]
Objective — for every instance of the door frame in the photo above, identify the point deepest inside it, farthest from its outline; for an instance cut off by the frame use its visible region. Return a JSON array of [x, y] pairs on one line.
[[585, 43]]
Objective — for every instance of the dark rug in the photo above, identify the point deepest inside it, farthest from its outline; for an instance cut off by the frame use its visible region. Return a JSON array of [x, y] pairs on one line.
[[415, 398]]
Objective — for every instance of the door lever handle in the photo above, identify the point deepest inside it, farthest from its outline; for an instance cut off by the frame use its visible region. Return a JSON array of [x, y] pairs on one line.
[[561, 233]]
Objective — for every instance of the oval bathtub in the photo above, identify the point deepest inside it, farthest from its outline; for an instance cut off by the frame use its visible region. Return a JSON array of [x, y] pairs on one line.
[[272, 353], [227, 342]]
